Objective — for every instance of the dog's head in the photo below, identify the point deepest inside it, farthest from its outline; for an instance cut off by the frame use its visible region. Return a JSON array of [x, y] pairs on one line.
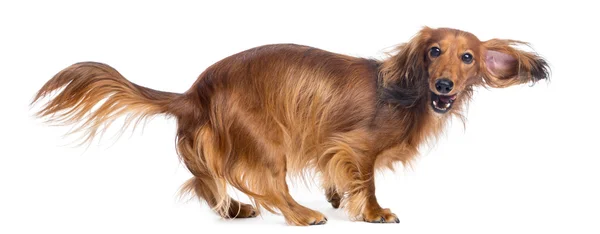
[[454, 61]]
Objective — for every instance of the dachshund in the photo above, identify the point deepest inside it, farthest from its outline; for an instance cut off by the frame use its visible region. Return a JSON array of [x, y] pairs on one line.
[[286, 110]]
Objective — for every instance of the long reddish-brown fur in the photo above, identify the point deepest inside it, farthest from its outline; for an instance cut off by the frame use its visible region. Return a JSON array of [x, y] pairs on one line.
[[256, 117]]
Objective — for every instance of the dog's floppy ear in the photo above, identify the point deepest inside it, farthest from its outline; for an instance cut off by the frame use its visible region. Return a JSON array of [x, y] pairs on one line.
[[410, 60], [504, 65]]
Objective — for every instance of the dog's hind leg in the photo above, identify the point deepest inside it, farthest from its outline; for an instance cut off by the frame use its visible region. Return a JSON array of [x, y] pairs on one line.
[[209, 188]]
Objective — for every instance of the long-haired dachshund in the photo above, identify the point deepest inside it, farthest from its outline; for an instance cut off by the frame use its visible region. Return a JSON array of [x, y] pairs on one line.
[[259, 116]]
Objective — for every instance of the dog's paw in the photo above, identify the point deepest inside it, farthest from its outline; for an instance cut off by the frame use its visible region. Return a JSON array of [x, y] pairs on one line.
[[306, 217], [243, 211], [380, 216], [317, 219], [334, 198]]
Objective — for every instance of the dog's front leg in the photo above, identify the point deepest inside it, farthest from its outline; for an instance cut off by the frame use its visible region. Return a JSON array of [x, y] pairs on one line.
[[352, 175], [360, 200], [372, 211]]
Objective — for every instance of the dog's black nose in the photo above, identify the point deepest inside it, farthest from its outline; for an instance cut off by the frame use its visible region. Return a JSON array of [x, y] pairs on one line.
[[444, 85]]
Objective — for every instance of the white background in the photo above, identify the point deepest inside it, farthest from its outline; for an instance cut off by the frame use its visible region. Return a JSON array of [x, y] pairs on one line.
[[527, 161]]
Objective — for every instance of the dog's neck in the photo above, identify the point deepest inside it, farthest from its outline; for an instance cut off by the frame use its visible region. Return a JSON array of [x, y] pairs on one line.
[[405, 117]]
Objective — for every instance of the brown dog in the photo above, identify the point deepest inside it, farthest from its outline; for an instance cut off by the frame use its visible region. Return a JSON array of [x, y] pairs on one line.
[[273, 111]]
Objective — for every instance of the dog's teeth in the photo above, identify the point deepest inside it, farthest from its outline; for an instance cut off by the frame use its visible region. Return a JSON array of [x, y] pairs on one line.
[[434, 103], [447, 105]]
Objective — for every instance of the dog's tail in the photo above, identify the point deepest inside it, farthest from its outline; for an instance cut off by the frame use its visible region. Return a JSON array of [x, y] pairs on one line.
[[93, 95]]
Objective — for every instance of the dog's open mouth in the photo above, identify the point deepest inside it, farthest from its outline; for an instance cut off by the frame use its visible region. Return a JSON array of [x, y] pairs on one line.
[[442, 103]]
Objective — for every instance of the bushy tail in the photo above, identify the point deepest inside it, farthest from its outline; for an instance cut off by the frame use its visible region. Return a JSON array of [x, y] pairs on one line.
[[95, 94]]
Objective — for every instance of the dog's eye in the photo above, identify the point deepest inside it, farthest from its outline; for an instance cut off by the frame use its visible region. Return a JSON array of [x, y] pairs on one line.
[[467, 58], [435, 52]]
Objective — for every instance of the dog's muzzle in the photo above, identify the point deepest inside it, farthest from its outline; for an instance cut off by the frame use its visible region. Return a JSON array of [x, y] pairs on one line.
[[442, 103]]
